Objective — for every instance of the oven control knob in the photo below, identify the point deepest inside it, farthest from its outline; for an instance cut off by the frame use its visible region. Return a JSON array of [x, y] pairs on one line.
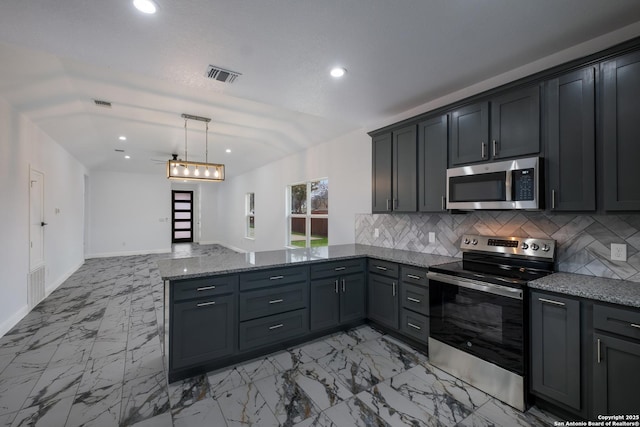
[[474, 242], [525, 246], [466, 241], [545, 248], [535, 247]]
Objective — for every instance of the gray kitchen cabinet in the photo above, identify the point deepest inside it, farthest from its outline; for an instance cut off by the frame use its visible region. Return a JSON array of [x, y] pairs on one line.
[[337, 294], [432, 164], [555, 348], [570, 159], [621, 132], [506, 126], [414, 301], [382, 294], [616, 365], [270, 330], [203, 330], [394, 171]]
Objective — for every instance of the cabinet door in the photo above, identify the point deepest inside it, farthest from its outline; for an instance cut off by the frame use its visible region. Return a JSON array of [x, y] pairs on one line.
[[621, 132], [432, 164], [381, 173], [616, 375], [515, 123], [469, 134], [383, 300], [405, 175], [203, 330], [555, 348], [571, 142], [324, 303], [352, 298]]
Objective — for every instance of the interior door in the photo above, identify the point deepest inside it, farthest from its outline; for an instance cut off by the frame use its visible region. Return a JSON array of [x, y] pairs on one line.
[[182, 216], [36, 219]]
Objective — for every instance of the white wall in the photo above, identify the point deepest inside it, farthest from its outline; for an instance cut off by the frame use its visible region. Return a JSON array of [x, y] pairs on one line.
[[125, 213], [346, 161], [23, 146]]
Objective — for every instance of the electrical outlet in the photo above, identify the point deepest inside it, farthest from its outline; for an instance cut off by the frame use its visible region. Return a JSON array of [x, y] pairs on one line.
[[432, 237], [376, 232], [618, 252]]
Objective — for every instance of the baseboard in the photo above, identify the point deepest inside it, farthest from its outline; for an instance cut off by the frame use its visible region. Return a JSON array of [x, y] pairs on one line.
[[128, 253], [53, 286], [13, 320], [216, 242]]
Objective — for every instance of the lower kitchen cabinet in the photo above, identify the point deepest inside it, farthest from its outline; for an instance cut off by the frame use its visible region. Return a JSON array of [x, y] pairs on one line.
[[414, 297], [616, 365], [352, 298], [271, 330], [383, 301], [202, 330], [555, 348]]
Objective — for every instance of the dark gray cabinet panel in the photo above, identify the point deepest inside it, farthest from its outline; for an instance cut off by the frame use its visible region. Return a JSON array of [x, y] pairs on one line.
[[571, 142], [324, 303], [274, 277], [415, 297], [405, 181], [469, 134], [515, 123], [381, 173], [383, 300], [555, 348], [385, 268], [616, 375], [432, 164], [335, 268], [204, 287], [352, 298], [267, 301], [414, 325], [273, 329], [621, 132], [203, 330]]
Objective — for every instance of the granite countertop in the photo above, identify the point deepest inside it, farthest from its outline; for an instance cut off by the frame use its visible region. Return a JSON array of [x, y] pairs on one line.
[[185, 268], [614, 291]]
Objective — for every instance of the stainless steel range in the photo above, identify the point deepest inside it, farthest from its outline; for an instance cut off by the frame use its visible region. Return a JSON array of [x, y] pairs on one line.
[[478, 312]]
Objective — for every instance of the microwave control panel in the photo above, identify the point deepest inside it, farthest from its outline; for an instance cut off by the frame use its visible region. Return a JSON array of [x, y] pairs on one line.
[[523, 184]]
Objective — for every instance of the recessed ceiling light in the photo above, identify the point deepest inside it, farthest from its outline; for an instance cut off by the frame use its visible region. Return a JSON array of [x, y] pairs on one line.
[[228, 150], [127, 157], [146, 6], [338, 72], [122, 138]]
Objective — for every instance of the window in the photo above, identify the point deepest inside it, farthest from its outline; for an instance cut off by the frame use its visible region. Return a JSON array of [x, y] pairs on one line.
[[308, 214], [250, 220]]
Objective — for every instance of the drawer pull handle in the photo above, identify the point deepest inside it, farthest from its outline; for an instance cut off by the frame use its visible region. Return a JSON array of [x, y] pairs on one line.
[[414, 277], [633, 325], [550, 301], [275, 301], [414, 326], [336, 285], [204, 304], [599, 358], [393, 289], [379, 267], [340, 268], [276, 277], [413, 300], [279, 325], [206, 288], [344, 287]]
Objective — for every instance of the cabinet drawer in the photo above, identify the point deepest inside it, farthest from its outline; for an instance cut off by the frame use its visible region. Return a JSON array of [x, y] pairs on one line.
[[617, 320], [268, 301], [204, 287], [414, 325], [413, 275], [337, 268], [415, 297], [273, 329], [384, 268], [279, 276]]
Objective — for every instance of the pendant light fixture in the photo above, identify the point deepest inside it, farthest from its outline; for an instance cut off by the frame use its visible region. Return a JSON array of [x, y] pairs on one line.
[[195, 171]]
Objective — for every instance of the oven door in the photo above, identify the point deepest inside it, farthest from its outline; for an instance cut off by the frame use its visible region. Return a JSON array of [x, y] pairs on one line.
[[481, 319]]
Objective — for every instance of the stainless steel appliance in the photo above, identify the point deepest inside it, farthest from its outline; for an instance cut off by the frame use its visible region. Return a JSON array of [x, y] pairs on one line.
[[513, 184], [478, 308]]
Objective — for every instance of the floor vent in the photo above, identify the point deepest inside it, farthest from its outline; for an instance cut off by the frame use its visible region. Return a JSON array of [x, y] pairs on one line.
[[36, 287], [222, 75]]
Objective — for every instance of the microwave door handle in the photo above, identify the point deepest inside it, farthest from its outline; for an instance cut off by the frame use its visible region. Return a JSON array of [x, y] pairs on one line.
[[508, 186]]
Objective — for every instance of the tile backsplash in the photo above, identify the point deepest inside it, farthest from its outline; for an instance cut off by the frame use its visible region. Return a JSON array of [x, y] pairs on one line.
[[583, 240]]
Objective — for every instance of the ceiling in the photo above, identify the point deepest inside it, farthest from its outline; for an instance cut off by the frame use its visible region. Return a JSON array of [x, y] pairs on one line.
[[58, 56]]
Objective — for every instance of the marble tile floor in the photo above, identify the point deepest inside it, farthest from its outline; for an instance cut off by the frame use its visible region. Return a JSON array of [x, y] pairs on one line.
[[90, 355]]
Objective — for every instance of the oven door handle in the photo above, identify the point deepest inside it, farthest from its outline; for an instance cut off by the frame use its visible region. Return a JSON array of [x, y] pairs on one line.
[[476, 285]]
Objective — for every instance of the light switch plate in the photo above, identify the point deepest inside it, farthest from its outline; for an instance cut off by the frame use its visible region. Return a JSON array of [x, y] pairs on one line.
[[432, 237], [376, 232], [618, 252]]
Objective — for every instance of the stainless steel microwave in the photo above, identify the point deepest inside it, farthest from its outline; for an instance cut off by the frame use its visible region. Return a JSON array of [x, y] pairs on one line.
[[512, 184]]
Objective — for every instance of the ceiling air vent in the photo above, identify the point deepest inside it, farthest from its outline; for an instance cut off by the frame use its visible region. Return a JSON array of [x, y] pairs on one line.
[[222, 75], [119, 151], [100, 103]]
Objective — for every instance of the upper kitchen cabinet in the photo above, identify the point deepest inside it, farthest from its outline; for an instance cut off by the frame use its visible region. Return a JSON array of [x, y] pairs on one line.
[[394, 181], [570, 150], [621, 132], [432, 164], [507, 126]]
